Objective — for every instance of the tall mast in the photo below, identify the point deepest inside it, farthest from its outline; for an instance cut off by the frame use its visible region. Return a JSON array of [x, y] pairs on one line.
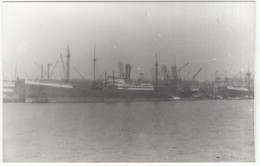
[[68, 64], [48, 70], [105, 78], [240, 78], [113, 78], [156, 73], [95, 63], [174, 61], [248, 74], [175, 69], [41, 72], [15, 72]]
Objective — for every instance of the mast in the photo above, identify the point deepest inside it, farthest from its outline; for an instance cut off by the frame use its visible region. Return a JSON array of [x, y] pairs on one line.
[[53, 68], [113, 78], [94, 63], [174, 61], [68, 64], [240, 78], [15, 72], [156, 73], [48, 71], [175, 69], [248, 74], [105, 78], [41, 72]]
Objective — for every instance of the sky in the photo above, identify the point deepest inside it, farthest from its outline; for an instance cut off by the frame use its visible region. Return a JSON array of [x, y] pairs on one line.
[[209, 35]]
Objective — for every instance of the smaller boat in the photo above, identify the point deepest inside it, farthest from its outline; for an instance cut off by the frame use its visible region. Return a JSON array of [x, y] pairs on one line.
[[175, 98], [233, 98]]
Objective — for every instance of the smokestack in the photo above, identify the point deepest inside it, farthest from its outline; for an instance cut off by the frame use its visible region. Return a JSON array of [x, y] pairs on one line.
[[128, 68]]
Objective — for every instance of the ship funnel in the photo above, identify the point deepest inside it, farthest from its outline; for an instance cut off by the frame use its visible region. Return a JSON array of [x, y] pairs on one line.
[[128, 68]]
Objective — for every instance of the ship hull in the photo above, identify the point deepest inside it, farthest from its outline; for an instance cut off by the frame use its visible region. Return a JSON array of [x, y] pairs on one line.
[[231, 92], [82, 93]]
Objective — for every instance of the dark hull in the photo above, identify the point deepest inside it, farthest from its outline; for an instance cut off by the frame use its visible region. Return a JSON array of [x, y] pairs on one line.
[[19, 93], [81, 93], [235, 93]]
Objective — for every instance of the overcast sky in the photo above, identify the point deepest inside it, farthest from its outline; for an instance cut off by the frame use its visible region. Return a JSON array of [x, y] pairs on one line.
[[209, 35]]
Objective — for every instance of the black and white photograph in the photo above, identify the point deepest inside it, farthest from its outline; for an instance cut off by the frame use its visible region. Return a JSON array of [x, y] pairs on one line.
[[128, 81]]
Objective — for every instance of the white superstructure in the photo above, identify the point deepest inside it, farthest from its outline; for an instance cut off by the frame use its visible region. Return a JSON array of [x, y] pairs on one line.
[[58, 85], [120, 84]]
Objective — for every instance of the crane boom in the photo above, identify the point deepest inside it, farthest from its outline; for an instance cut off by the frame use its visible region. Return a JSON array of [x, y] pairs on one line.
[[166, 76], [40, 66], [186, 64], [63, 65], [79, 73], [47, 72], [186, 75], [37, 64], [196, 74], [54, 68], [237, 74]]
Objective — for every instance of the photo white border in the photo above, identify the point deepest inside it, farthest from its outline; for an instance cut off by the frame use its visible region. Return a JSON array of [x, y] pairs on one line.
[[256, 102]]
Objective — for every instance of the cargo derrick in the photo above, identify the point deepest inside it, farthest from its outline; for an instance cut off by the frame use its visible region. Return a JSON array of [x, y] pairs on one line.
[[53, 68], [42, 70], [189, 87], [95, 84], [128, 69], [248, 75], [121, 89], [121, 73], [176, 83], [68, 64], [237, 82], [81, 75], [152, 75], [186, 76], [63, 65], [48, 71], [193, 83]]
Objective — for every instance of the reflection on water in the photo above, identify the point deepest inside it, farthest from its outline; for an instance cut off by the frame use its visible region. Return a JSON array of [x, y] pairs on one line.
[[181, 131]]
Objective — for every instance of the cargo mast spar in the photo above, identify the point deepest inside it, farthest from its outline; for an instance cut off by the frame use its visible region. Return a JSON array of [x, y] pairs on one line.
[[68, 64], [95, 64]]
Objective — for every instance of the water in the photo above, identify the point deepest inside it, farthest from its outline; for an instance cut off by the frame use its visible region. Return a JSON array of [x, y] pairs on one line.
[[176, 131]]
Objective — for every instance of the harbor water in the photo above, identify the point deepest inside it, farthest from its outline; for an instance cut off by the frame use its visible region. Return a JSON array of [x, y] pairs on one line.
[[165, 131]]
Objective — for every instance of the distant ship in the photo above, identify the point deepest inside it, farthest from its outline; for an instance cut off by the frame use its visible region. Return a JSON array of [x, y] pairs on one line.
[[111, 89], [231, 92], [235, 88], [8, 90]]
